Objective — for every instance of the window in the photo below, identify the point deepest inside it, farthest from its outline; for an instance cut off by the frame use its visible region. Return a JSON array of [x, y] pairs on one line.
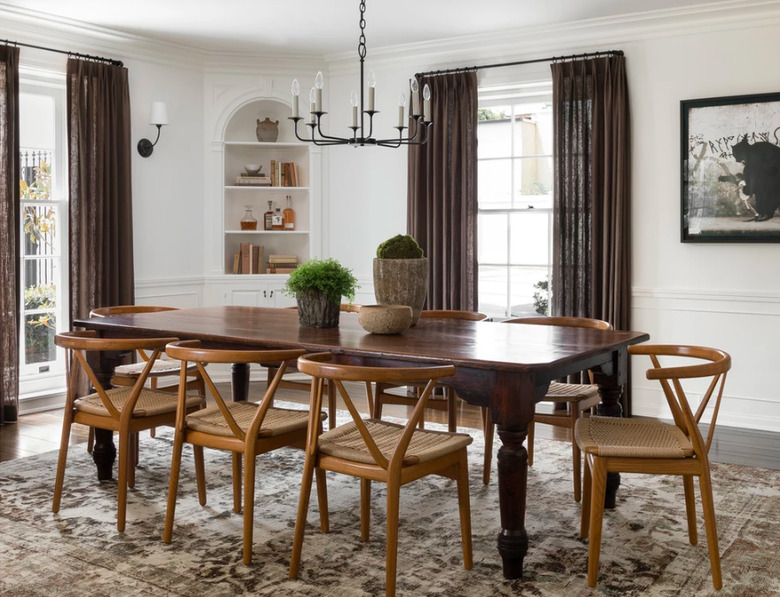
[[515, 199], [44, 267]]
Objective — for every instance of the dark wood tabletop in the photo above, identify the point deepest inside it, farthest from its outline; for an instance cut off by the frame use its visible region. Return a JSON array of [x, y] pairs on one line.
[[506, 367]]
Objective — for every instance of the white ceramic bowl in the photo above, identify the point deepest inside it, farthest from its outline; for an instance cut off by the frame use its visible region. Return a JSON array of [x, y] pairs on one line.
[[385, 319], [252, 168]]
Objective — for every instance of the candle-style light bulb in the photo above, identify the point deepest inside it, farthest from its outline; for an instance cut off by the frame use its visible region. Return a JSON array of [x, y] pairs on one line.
[[353, 99], [401, 106], [415, 97], [312, 102], [426, 103], [319, 82], [295, 89], [371, 90]]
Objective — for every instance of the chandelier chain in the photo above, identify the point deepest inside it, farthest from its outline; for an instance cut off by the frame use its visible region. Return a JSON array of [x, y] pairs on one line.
[[362, 38]]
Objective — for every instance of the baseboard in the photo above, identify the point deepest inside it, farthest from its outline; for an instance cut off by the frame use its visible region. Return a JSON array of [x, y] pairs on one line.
[[750, 447]]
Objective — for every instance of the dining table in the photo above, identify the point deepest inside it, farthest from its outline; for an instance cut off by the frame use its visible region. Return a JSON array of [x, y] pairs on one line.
[[506, 368]]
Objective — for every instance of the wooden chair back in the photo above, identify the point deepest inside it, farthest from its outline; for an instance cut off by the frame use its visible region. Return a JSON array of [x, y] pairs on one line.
[[129, 309], [572, 322], [452, 314], [190, 351], [79, 343], [322, 367], [716, 367]]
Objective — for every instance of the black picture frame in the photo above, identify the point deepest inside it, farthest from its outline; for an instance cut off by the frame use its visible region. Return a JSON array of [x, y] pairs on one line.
[[730, 169]]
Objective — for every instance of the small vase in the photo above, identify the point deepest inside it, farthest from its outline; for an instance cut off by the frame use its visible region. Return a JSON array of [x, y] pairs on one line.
[[401, 282], [267, 131], [316, 311]]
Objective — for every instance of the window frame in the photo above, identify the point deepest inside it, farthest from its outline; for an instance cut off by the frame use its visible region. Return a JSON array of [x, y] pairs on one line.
[[33, 381]]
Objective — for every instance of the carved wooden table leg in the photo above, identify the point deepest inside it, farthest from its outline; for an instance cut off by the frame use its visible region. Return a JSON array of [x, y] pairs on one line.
[[104, 454], [512, 484], [240, 381]]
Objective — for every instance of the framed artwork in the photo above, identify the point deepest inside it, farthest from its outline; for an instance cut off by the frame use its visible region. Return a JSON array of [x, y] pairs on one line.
[[730, 153]]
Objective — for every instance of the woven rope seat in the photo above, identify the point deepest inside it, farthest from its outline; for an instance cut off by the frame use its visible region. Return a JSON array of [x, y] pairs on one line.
[[346, 442], [161, 365], [570, 390], [631, 438], [277, 421], [149, 404]]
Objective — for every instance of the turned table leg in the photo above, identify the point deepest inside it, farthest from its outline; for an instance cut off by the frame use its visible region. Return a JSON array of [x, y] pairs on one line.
[[512, 485]]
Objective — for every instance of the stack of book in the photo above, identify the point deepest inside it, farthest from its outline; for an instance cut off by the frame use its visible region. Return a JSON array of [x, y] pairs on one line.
[[248, 260], [281, 264], [284, 174], [253, 181]]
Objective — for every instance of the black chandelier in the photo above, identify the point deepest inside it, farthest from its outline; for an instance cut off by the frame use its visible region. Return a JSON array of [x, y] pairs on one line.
[[418, 129]]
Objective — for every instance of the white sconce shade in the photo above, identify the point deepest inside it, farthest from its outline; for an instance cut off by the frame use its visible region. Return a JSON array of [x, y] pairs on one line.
[[158, 114]]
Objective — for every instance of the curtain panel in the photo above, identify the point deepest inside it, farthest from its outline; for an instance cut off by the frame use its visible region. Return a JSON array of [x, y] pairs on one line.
[[10, 273], [442, 192], [100, 193], [592, 196]]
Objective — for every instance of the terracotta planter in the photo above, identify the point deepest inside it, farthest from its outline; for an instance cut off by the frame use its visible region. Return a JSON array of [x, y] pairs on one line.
[[401, 282], [316, 311]]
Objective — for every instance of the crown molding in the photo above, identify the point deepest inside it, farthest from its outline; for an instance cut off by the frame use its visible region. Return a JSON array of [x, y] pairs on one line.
[[578, 36]]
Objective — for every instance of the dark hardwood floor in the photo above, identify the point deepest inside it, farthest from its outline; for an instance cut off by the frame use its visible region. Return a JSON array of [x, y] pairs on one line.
[[40, 432]]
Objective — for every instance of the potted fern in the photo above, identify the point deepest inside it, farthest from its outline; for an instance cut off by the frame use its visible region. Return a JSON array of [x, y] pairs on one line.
[[401, 274], [318, 286]]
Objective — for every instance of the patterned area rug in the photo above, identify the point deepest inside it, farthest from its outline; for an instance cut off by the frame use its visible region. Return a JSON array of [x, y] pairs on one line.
[[644, 549]]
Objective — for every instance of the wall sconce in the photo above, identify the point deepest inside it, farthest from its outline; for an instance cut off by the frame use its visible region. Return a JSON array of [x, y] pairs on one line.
[[158, 116]]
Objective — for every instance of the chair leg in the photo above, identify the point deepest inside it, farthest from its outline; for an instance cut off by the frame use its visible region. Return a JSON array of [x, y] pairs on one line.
[[173, 485], [125, 462], [530, 443], [464, 509], [322, 498], [236, 482], [576, 456], [378, 391], [452, 412], [586, 498], [690, 509], [488, 429], [133, 460], [67, 421], [599, 485], [393, 507], [249, 502], [365, 509], [332, 391], [90, 440], [200, 473], [303, 510], [153, 432], [710, 527]]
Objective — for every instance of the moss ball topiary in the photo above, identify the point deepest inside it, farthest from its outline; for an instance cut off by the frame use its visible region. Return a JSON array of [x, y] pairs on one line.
[[401, 246]]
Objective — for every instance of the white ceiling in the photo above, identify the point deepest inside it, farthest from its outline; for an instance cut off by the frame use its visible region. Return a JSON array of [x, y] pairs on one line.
[[327, 26]]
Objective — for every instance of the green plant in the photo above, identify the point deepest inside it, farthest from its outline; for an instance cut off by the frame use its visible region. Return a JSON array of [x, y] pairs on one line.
[[39, 221], [39, 327], [325, 275], [401, 246], [542, 297]]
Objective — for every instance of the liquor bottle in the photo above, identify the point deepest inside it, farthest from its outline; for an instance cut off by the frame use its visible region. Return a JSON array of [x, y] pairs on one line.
[[268, 217], [277, 219], [289, 215], [248, 222]]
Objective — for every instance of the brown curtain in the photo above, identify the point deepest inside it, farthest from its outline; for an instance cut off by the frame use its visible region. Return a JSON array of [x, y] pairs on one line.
[[101, 218], [592, 156], [442, 192], [9, 233]]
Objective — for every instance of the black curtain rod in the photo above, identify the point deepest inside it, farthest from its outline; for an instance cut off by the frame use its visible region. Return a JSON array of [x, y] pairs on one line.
[[463, 69], [76, 54]]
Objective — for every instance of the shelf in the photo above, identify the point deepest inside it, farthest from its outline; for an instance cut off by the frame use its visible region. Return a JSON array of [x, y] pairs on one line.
[[283, 232], [265, 188]]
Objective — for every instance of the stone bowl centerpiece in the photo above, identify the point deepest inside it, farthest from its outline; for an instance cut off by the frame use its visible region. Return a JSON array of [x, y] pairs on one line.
[[401, 274], [385, 319], [318, 286]]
